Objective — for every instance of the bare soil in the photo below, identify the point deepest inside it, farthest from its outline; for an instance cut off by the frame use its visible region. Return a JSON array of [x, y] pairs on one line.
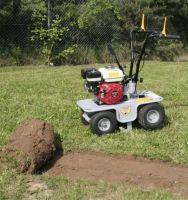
[[124, 169]]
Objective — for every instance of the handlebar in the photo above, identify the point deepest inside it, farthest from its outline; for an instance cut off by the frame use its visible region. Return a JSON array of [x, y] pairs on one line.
[[173, 37], [160, 35], [114, 54], [153, 33]]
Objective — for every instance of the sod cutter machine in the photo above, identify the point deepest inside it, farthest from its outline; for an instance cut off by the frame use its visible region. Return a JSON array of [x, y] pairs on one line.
[[116, 99]]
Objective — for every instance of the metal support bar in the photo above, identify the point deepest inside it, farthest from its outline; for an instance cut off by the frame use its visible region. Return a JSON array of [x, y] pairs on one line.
[[132, 54], [128, 129]]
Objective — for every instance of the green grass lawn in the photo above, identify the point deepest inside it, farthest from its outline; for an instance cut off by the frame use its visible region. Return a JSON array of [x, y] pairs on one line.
[[14, 186], [51, 94]]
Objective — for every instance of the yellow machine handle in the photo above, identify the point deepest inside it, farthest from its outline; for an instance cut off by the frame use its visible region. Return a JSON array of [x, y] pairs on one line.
[[164, 28], [143, 23]]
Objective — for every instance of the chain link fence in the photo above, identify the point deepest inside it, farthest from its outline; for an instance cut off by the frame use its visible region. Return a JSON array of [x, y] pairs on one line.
[[64, 32], [34, 35]]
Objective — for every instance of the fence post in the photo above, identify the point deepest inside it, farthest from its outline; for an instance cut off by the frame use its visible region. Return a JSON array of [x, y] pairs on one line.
[[49, 14]]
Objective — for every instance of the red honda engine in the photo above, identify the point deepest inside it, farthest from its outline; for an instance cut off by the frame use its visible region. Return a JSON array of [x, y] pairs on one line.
[[105, 83], [110, 93]]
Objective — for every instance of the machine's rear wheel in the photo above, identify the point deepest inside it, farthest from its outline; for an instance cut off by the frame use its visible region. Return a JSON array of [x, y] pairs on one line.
[[103, 123], [151, 116]]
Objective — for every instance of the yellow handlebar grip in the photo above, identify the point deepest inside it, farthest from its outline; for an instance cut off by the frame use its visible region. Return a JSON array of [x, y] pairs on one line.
[[143, 22], [164, 28]]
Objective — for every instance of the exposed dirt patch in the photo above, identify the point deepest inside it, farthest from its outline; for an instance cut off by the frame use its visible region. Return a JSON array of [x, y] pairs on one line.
[[125, 169], [37, 190]]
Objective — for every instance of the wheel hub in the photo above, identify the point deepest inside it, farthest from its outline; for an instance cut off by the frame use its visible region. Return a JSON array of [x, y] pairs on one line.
[[104, 124], [153, 116]]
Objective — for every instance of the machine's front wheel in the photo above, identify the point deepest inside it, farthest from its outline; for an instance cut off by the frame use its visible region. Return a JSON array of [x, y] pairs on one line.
[[103, 123], [151, 116]]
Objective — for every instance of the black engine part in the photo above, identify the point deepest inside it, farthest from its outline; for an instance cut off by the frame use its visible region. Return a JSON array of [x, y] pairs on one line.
[[90, 73], [91, 86]]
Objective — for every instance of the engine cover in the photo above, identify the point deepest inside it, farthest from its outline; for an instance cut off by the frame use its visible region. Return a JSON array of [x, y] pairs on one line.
[[110, 93]]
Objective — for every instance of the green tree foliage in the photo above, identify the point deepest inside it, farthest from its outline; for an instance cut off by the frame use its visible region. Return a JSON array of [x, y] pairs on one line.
[[88, 24], [177, 11], [49, 37]]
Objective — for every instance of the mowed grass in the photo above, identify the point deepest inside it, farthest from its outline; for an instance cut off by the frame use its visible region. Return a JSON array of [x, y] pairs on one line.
[[51, 94], [14, 186]]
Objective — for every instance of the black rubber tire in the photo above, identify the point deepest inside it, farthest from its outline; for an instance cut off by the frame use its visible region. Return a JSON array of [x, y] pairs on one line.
[[99, 116], [83, 119], [143, 119]]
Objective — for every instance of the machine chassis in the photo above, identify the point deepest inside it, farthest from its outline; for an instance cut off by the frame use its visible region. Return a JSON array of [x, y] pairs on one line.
[[126, 111]]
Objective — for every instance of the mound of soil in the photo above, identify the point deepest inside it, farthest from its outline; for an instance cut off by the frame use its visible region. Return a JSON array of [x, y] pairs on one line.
[[30, 146]]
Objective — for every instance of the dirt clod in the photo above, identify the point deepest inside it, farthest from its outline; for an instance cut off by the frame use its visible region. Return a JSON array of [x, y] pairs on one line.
[[31, 145]]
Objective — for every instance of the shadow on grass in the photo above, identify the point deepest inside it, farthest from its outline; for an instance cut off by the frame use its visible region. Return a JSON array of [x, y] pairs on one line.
[[166, 121], [57, 155], [136, 125]]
